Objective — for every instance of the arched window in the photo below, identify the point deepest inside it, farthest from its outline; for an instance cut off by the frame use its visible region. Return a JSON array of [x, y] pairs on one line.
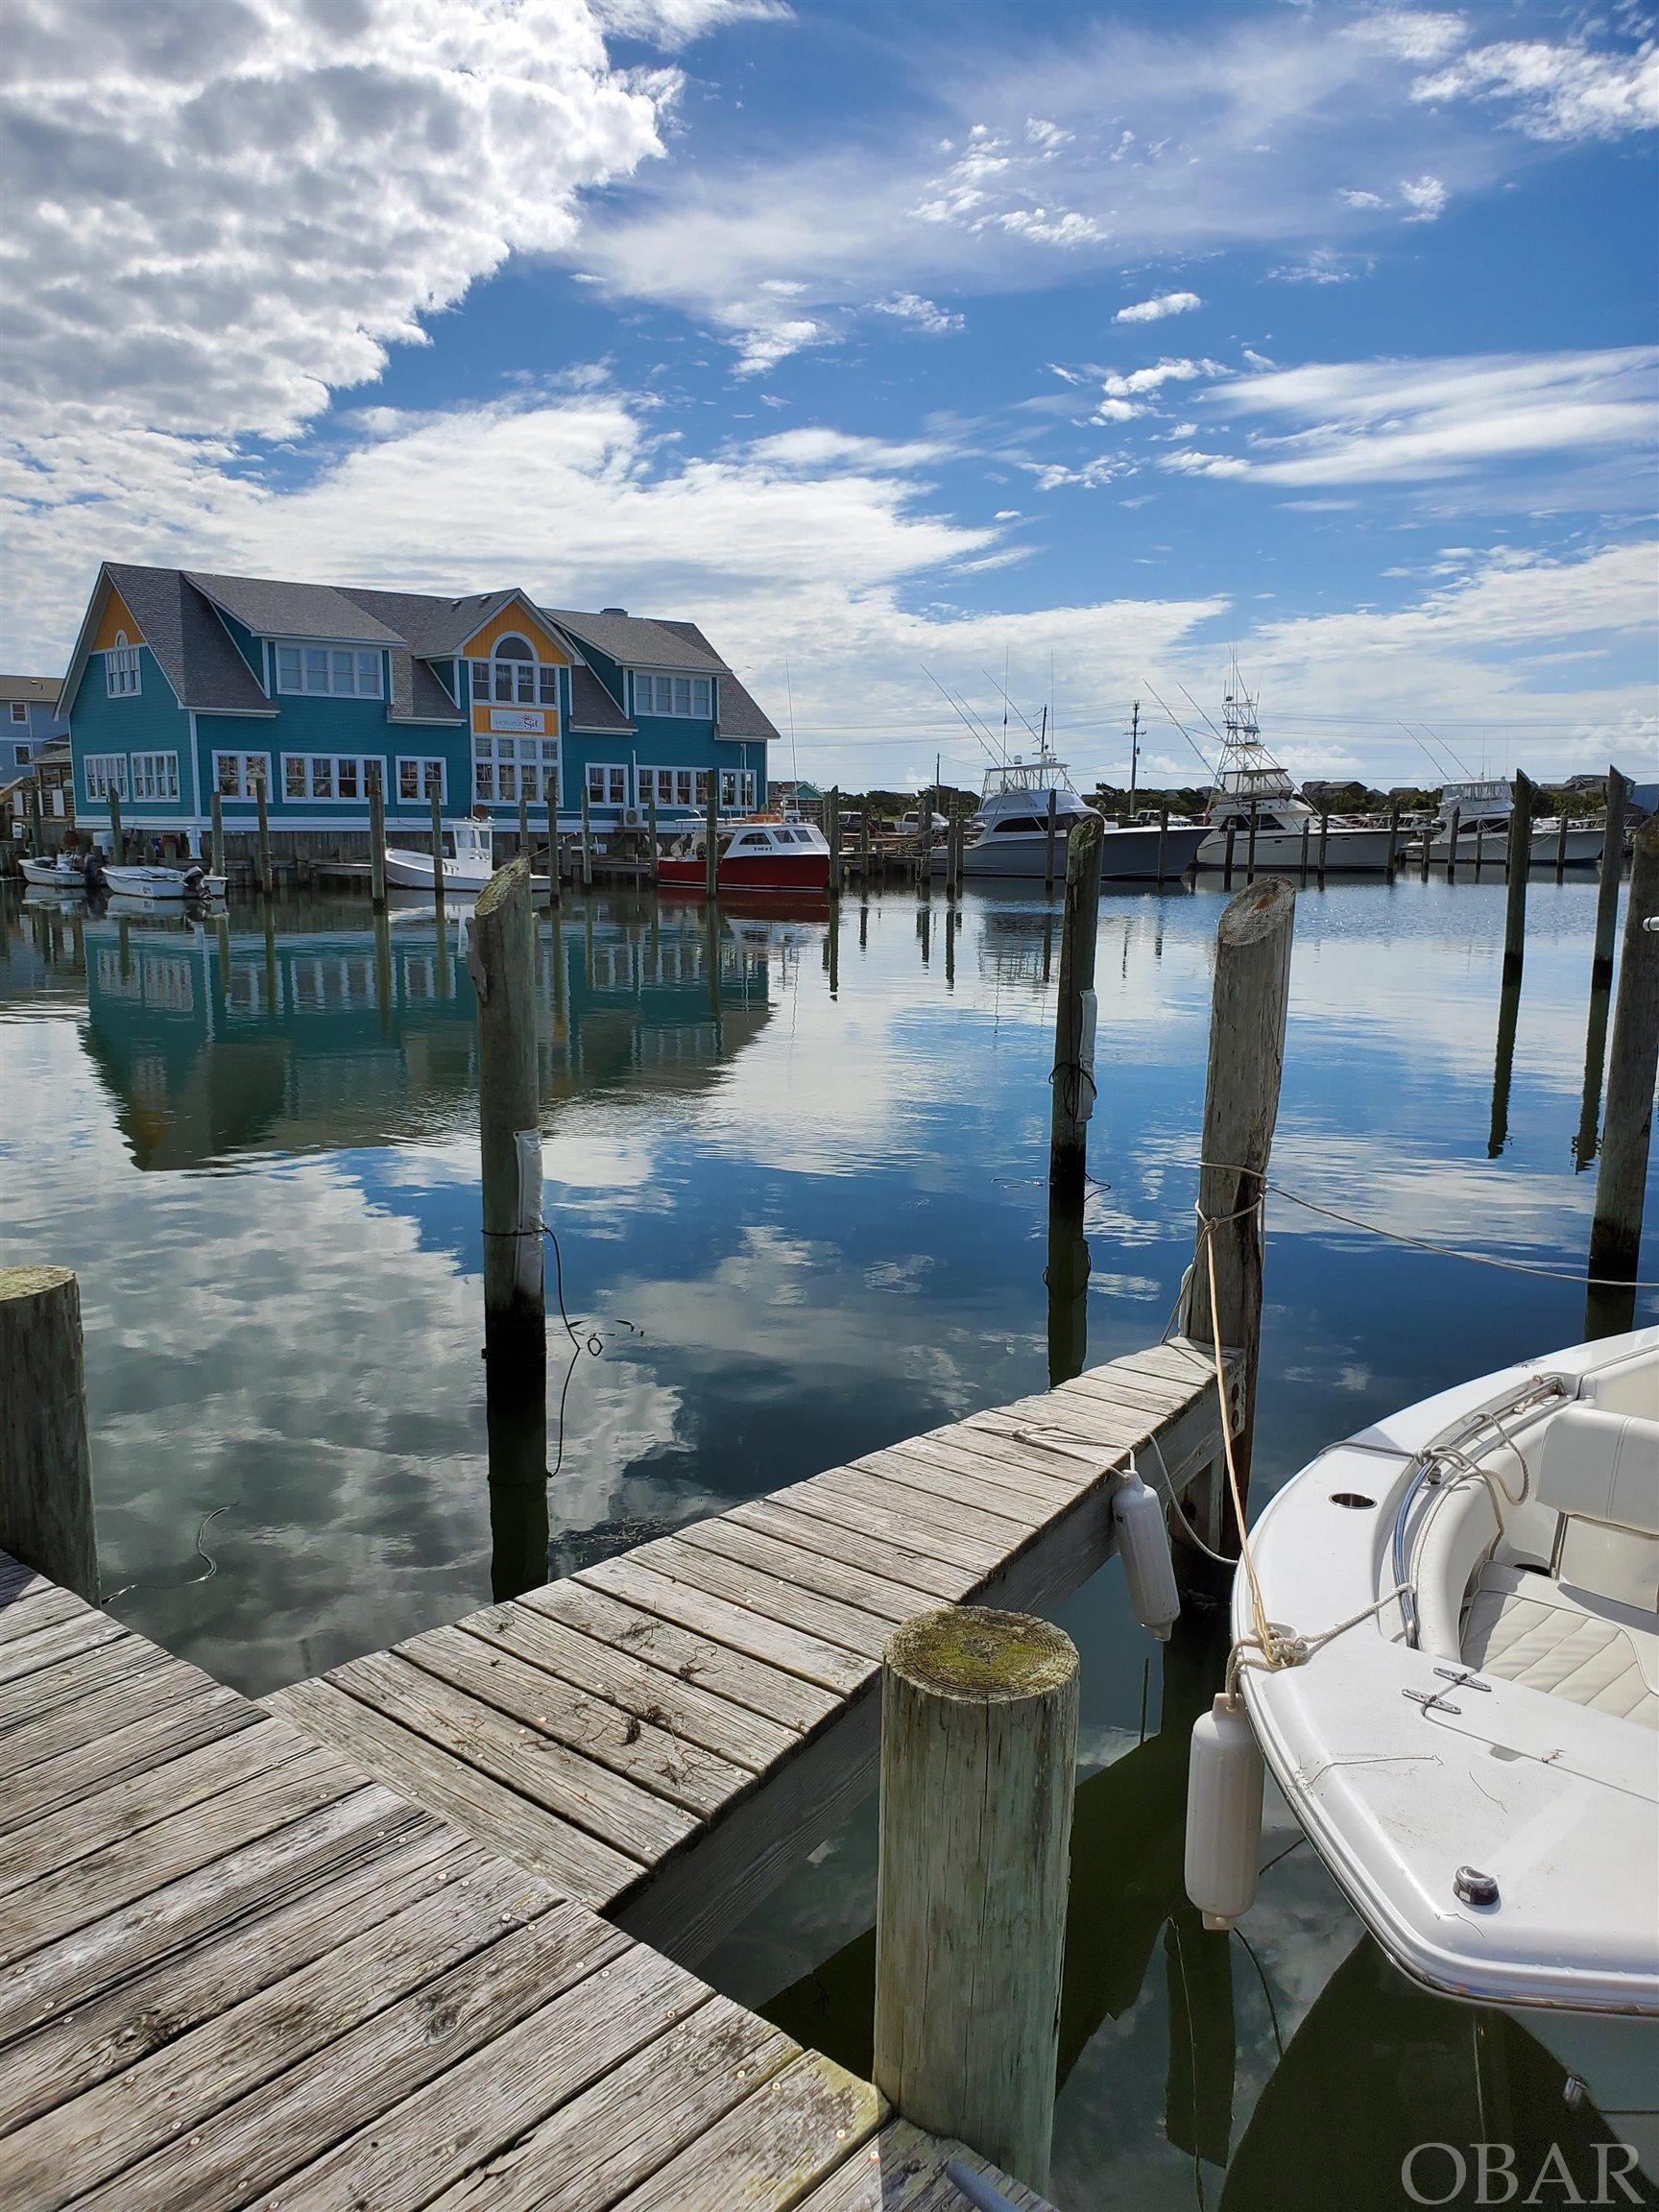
[[514, 676], [121, 675]]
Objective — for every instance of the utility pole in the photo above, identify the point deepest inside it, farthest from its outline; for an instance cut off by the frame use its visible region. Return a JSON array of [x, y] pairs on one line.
[[1133, 752]]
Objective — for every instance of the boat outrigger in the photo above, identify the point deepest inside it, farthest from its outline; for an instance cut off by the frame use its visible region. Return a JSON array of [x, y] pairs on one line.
[[1256, 800], [1009, 833], [1446, 1652]]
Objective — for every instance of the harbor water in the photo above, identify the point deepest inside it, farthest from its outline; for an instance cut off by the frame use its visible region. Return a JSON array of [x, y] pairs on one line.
[[796, 1177]]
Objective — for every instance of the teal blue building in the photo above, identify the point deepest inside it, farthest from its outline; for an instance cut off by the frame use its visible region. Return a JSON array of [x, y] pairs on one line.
[[185, 683]]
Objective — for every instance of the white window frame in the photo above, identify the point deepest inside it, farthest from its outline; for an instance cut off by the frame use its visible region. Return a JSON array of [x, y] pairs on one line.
[[672, 786], [369, 766], [249, 768], [499, 761], [610, 773], [496, 681], [19, 711], [122, 669], [678, 698], [298, 674], [423, 764], [154, 779], [736, 790], [104, 772]]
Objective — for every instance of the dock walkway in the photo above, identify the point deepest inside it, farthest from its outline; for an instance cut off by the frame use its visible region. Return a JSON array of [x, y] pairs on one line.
[[236, 1970], [664, 1735]]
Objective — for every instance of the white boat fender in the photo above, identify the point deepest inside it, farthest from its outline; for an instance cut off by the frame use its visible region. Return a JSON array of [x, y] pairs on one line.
[[1144, 1540], [1090, 1009], [1225, 1779]]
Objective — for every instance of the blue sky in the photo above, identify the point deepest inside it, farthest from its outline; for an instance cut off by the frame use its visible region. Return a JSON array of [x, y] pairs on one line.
[[894, 343]]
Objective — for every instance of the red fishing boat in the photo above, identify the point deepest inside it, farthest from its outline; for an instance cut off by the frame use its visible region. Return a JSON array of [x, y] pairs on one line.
[[759, 854]]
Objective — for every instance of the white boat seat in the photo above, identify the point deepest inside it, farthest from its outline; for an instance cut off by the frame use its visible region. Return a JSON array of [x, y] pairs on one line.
[[1522, 1626], [1599, 1469], [1626, 1386]]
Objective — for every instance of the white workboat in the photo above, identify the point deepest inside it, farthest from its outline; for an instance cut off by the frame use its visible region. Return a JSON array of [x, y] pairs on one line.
[[1483, 808], [1475, 1756], [1273, 831], [166, 886], [468, 860], [1009, 835], [61, 874]]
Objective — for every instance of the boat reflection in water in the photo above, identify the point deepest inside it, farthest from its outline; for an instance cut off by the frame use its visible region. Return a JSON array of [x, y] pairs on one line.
[[314, 1035]]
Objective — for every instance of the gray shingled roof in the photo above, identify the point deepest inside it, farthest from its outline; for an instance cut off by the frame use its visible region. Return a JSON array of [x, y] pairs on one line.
[[276, 610], [432, 627], [740, 717], [188, 640], [32, 690], [592, 706], [636, 643]]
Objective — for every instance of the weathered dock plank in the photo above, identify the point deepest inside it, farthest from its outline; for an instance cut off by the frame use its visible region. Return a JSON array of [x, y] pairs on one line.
[[241, 1973], [700, 1711]]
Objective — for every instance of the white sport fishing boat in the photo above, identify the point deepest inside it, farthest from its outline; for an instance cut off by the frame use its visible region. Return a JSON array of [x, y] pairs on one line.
[[1483, 808], [169, 885], [1252, 792], [1009, 833], [1447, 1648], [468, 860]]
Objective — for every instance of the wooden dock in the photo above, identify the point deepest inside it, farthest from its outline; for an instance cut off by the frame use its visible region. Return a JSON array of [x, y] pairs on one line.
[[666, 1734], [238, 1970]]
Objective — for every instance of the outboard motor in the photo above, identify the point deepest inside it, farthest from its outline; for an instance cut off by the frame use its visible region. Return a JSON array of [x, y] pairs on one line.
[[196, 880], [92, 871]]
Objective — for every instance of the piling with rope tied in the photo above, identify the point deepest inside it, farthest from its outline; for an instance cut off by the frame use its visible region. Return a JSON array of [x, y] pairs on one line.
[[1222, 1303], [978, 1749], [1073, 1078]]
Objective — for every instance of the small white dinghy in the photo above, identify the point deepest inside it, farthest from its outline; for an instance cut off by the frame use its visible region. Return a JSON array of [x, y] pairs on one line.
[[1447, 1647], [173, 885]]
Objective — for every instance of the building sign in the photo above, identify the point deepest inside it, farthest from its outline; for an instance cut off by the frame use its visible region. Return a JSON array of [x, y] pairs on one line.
[[527, 721]]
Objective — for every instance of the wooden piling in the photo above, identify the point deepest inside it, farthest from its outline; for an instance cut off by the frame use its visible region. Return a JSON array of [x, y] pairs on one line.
[[377, 847], [46, 1496], [651, 835], [501, 955], [864, 848], [36, 823], [216, 837], [1247, 1013], [1633, 1061], [1163, 841], [1048, 855], [978, 1746], [1517, 860], [1453, 821], [1324, 841], [1393, 835], [711, 837], [1250, 849], [1072, 1080], [1427, 848], [1608, 876], [438, 893], [1307, 840], [264, 829], [835, 842], [117, 839], [1561, 846], [587, 839], [1227, 858]]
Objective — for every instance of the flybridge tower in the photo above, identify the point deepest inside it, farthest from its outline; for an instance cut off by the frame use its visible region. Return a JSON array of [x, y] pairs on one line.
[[1248, 771]]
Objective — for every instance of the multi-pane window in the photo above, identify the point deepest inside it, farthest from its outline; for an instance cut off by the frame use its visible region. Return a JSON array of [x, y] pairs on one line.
[[154, 775], [513, 678], [329, 671], [314, 775], [239, 774], [104, 773], [419, 779], [692, 695], [668, 786], [121, 674], [508, 769], [19, 711], [737, 788], [607, 785]]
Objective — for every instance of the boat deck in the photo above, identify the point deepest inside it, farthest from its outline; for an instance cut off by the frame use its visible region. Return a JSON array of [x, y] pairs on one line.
[[236, 1970], [664, 1734]]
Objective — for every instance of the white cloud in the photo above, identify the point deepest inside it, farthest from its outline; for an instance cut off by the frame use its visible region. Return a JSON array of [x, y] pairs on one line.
[[1155, 310], [1153, 380], [216, 216], [1351, 199], [911, 308], [765, 344], [1322, 265], [1425, 196], [1565, 92], [1425, 421]]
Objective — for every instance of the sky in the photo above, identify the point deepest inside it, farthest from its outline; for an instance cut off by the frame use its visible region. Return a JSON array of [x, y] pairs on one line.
[[950, 363]]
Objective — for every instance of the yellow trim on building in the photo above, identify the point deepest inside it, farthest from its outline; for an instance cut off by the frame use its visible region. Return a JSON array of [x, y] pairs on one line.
[[519, 621], [115, 619]]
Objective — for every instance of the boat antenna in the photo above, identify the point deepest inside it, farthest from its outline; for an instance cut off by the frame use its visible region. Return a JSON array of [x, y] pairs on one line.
[[790, 691], [1201, 712], [1196, 750]]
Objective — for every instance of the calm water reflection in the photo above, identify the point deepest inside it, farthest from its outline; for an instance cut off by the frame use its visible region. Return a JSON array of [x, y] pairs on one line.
[[796, 1187]]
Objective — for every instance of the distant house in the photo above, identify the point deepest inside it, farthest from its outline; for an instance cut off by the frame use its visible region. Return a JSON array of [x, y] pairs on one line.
[[29, 719], [184, 683]]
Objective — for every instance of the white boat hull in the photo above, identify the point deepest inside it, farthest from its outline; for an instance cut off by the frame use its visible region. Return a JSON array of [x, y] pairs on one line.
[[1281, 852], [1583, 849], [47, 876], [1406, 1764], [161, 884], [413, 871], [1126, 856]]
